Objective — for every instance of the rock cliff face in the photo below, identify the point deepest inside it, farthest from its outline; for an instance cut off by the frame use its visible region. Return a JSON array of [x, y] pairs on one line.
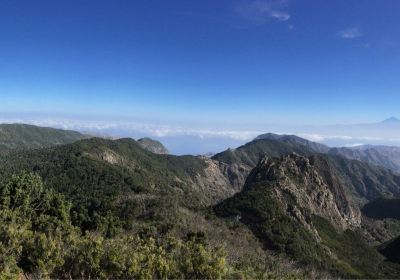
[[302, 191], [214, 181]]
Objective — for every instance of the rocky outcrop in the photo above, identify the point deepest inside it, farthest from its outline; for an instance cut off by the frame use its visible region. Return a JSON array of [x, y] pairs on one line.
[[215, 181], [293, 207], [302, 191], [236, 174]]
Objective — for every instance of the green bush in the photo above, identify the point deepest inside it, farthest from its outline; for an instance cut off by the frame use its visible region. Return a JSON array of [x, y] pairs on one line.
[[37, 238]]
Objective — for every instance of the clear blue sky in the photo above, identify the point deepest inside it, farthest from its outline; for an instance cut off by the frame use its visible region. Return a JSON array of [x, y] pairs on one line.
[[294, 61]]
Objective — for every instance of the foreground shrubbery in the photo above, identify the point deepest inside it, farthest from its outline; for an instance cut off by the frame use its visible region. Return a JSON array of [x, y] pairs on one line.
[[38, 239]]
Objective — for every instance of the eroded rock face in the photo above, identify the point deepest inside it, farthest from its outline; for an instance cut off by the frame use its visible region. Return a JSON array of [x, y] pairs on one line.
[[110, 157], [107, 155], [302, 191], [236, 173], [215, 181]]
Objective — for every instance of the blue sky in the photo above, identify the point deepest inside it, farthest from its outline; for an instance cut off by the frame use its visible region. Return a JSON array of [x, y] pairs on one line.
[[202, 63]]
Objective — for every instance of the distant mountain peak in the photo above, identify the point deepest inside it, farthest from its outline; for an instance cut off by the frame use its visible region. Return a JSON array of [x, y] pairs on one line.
[[317, 147], [152, 145], [391, 120]]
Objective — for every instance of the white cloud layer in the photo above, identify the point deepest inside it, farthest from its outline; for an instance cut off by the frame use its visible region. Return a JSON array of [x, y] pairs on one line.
[[197, 140], [322, 138], [135, 129]]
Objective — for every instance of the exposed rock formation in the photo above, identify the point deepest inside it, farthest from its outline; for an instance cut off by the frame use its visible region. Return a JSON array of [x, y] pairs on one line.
[[214, 181], [295, 177]]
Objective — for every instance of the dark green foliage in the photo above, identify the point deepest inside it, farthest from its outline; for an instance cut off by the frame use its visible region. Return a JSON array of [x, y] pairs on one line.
[[26, 195], [23, 136]]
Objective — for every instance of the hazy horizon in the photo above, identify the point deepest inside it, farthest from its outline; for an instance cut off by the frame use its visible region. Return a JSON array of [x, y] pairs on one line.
[[200, 139]]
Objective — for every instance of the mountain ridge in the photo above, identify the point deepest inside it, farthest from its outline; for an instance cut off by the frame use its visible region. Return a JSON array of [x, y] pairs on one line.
[[317, 147], [379, 155], [25, 136]]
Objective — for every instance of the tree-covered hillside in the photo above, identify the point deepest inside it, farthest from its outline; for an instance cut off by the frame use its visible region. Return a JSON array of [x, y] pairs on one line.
[[24, 136], [113, 176]]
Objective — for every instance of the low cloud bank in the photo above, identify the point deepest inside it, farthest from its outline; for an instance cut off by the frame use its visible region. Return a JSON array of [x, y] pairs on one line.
[[193, 140]]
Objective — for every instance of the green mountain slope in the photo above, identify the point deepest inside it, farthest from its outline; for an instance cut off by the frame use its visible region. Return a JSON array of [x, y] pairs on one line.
[[119, 176], [23, 136]]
